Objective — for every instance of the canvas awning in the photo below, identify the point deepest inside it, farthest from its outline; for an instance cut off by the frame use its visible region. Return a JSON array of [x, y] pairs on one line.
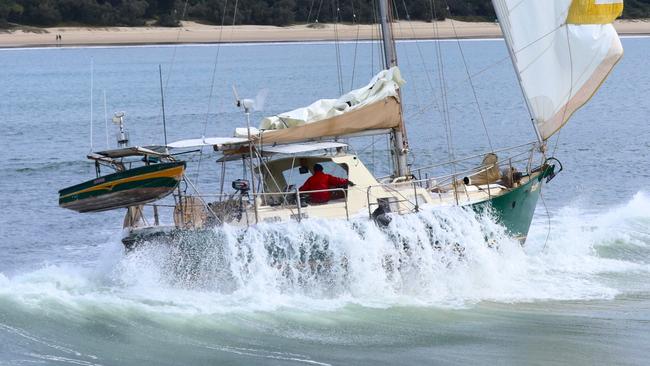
[[302, 148], [153, 150], [217, 142]]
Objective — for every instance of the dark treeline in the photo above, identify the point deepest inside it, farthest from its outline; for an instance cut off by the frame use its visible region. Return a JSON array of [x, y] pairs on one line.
[[263, 12]]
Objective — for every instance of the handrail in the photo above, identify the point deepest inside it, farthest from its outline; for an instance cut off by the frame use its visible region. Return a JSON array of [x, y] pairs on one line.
[[444, 185], [298, 204], [532, 144], [466, 158], [440, 181], [478, 169], [527, 152], [205, 204], [297, 193], [387, 186]]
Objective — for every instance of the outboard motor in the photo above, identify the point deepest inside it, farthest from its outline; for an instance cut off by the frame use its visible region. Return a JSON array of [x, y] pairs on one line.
[[241, 185], [380, 214]]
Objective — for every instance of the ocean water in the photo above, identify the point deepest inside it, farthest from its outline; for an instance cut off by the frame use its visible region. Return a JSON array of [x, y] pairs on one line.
[[577, 293]]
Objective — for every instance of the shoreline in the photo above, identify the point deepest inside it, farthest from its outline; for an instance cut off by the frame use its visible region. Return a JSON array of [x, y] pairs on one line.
[[195, 33]]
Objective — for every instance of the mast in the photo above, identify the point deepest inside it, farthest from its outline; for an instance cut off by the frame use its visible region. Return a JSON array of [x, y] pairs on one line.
[[400, 143]]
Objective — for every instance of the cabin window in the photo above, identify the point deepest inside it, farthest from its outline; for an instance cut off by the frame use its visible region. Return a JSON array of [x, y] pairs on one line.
[[294, 178]]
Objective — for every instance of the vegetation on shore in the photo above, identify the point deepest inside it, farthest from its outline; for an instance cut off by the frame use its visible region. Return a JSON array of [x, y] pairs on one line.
[[262, 12]]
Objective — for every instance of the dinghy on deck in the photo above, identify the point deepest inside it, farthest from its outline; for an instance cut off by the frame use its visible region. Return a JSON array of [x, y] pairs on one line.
[[126, 187], [123, 189]]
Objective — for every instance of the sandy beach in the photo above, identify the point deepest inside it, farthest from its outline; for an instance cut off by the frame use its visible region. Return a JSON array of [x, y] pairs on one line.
[[192, 32]]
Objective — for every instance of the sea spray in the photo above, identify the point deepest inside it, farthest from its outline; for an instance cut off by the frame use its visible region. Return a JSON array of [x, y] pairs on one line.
[[326, 259], [594, 247], [441, 258]]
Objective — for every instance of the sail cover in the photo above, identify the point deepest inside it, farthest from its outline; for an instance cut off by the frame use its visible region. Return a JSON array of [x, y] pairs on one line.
[[379, 115], [562, 51], [384, 85]]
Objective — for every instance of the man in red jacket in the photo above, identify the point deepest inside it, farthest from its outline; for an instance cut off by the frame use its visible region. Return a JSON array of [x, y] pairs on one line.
[[320, 180]]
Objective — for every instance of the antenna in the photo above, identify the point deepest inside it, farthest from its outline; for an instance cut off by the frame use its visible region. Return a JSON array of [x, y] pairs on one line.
[[249, 105], [106, 120], [123, 135], [162, 98]]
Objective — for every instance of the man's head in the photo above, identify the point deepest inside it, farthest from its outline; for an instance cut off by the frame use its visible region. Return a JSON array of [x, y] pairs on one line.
[[318, 168]]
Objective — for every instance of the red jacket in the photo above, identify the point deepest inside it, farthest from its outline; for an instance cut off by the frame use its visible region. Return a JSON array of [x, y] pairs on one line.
[[319, 181]]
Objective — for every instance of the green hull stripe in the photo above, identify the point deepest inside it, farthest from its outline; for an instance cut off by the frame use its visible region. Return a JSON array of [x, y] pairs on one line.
[[120, 175], [148, 183]]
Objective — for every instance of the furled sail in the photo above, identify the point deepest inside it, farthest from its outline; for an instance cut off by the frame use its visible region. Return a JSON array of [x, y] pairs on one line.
[[380, 115], [384, 85], [562, 51]]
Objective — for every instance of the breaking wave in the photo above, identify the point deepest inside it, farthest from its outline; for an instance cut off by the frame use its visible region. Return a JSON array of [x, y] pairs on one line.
[[439, 258]]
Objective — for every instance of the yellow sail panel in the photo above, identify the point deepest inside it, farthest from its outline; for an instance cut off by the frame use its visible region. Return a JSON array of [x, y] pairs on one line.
[[594, 11]]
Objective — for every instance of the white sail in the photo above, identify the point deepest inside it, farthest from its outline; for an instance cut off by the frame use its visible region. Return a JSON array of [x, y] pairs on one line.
[[562, 51]]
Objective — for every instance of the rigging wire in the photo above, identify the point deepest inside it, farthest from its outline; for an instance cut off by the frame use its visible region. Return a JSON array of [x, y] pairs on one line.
[[434, 102], [531, 43], [380, 47], [356, 44], [92, 87], [214, 68], [174, 51], [469, 78], [406, 53], [389, 149], [311, 7], [234, 19], [481, 71], [419, 49], [548, 217], [412, 155], [372, 41], [443, 86], [372, 156], [214, 72], [337, 45], [372, 69], [320, 5], [557, 141], [178, 37], [376, 41], [566, 106]]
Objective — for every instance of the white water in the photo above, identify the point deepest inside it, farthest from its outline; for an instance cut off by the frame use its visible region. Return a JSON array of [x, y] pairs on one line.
[[362, 265]]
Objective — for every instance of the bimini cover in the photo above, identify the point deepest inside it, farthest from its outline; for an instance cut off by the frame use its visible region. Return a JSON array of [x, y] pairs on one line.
[[384, 85], [562, 50]]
